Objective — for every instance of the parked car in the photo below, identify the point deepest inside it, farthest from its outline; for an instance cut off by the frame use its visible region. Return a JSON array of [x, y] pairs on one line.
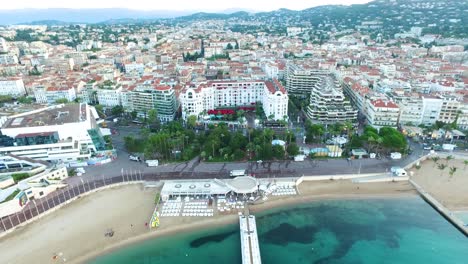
[[134, 158]]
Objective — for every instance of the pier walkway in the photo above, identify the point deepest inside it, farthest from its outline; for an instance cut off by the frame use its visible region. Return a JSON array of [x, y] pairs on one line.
[[249, 240]]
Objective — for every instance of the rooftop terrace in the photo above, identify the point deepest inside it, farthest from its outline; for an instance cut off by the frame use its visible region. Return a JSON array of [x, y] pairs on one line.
[[70, 113]]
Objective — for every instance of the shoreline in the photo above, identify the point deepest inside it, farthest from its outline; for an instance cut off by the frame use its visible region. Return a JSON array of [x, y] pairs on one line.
[[214, 222], [78, 228], [231, 219]]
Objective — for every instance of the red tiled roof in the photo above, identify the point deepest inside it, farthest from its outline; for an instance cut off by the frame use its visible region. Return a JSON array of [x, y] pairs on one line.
[[384, 104]]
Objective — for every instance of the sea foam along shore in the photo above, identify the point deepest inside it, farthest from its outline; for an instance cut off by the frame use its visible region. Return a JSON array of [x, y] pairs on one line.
[[77, 230]]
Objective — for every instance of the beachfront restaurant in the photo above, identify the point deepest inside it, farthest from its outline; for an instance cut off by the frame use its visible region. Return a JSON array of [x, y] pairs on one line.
[[208, 188]]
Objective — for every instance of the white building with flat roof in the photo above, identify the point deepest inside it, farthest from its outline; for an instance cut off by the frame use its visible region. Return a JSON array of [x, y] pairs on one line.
[[56, 133], [49, 95], [109, 97], [12, 86], [8, 59]]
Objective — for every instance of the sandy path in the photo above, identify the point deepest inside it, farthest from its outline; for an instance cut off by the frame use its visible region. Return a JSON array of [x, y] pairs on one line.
[[452, 192]]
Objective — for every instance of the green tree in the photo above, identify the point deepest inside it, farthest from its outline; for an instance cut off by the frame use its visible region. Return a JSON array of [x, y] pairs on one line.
[[441, 167], [153, 121], [129, 143], [448, 158], [61, 101], [314, 132], [452, 171], [5, 98], [100, 110], [117, 110], [191, 121], [435, 159], [229, 46], [133, 114], [278, 152], [25, 100], [293, 149]]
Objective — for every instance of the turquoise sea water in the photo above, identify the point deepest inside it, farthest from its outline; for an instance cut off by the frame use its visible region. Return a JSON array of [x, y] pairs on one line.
[[352, 231]]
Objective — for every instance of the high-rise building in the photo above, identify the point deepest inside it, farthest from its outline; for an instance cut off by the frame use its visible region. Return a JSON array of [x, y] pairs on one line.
[[328, 103], [145, 97], [300, 81]]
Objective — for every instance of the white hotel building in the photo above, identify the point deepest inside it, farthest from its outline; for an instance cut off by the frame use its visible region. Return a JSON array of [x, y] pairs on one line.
[[217, 94], [55, 133]]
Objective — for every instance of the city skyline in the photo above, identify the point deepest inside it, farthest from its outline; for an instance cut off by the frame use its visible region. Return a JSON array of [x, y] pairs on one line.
[[179, 5]]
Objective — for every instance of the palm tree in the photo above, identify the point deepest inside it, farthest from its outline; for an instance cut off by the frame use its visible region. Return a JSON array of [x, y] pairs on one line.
[[466, 163], [452, 171], [435, 159], [449, 157], [441, 167]]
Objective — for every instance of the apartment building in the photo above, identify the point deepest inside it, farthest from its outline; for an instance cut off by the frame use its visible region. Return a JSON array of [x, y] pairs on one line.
[[147, 96], [8, 59], [134, 68], [432, 106], [450, 109], [3, 45], [109, 97], [300, 81], [217, 94], [12, 86], [49, 95], [328, 103], [382, 113], [411, 111]]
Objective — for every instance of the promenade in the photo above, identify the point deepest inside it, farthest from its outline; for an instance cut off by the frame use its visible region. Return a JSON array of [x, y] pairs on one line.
[[249, 240]]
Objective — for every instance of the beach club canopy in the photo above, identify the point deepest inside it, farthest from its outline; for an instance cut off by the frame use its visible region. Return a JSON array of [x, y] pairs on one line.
[[194, 187], [243, 184], [240, 185]]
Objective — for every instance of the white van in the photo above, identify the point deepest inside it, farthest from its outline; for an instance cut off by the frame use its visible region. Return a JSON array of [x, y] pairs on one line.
[[237, 173]]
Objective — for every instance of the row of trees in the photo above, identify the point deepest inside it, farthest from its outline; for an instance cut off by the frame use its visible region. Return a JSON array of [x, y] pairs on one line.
[[385, 140], [174, 142]]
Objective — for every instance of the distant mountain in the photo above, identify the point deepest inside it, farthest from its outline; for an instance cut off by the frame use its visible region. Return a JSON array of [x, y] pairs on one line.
[[26, 16], [445, 17], [235, 10], [51, 23]]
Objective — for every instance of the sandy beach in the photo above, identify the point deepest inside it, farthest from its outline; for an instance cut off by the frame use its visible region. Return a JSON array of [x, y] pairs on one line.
[[77, 230], [448, 190]]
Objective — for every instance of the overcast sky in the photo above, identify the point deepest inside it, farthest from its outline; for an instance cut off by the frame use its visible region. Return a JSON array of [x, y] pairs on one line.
[[199, 5]]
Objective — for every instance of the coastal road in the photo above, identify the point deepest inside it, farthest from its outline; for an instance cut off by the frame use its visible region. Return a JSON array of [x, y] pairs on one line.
[[195, 169]]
